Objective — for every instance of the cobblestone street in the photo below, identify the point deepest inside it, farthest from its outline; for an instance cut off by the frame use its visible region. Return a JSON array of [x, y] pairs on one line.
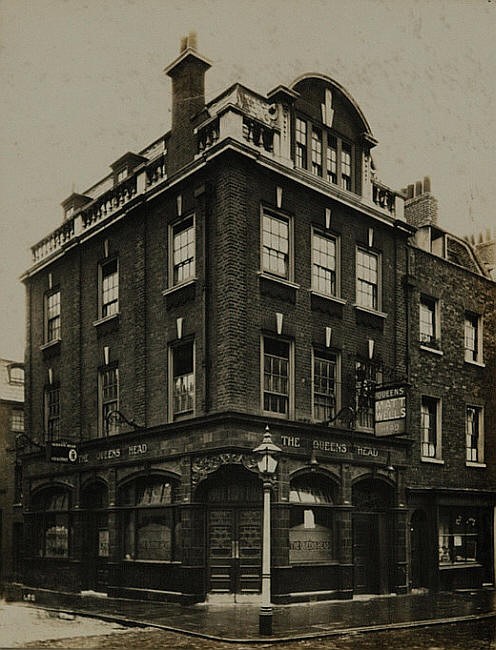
[[478, 635]]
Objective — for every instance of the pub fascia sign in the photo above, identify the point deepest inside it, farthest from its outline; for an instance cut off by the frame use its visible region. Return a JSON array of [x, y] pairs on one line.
[[334, 447], [116, 453], [390, 411]]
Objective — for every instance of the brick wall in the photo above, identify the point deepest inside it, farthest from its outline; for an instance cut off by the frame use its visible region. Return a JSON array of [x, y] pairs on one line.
[[226, 310], [447, 376]]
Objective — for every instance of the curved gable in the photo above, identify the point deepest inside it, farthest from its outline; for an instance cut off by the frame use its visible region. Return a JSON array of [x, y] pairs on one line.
[[341, 110]]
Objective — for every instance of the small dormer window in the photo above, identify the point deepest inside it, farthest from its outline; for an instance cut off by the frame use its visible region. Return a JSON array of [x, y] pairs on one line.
[[121, 175], [69, 212]]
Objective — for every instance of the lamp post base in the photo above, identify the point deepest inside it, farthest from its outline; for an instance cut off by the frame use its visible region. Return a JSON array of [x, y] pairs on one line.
[[265, 621]]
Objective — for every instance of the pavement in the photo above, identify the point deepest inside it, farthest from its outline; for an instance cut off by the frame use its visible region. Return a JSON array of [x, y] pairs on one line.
[[239, 622]]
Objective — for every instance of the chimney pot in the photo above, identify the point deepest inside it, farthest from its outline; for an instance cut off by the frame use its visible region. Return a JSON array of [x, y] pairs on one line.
[[427, 184], [184, 44], [418, 188], [192, 41]]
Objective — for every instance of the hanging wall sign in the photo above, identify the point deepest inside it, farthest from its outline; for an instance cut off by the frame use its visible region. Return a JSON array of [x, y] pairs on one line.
[[390, 411]]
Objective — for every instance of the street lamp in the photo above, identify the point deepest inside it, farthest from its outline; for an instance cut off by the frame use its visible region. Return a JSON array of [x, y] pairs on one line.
[[267, 466]]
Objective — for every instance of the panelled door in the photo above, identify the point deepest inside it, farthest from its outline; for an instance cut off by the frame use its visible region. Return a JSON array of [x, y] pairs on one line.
[[97, 550], [234, 550], [366, 553]]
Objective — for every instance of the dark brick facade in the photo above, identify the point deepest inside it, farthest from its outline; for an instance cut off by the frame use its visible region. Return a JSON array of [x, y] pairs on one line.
[[245, 168]]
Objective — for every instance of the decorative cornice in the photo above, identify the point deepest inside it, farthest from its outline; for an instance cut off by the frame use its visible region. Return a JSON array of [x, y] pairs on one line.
[[202, 466]]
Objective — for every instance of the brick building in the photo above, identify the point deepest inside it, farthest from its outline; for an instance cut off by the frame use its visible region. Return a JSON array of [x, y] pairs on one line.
[[451, 479], [247, 268], [11, 428]]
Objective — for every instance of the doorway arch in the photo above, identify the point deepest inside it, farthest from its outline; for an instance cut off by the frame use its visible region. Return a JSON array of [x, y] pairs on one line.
[[232, 497]]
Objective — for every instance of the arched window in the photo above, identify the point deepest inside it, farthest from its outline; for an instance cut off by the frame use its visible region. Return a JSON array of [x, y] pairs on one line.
[[150, 521], [311, 538], [53, 530]]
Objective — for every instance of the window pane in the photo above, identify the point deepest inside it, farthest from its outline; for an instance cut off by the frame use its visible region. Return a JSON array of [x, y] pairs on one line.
[[52, 413], [110, 289], [275, 245], [109, 399], [17, 420], [154, 534], [301, 143], [57, 536], [310, 535], [346, 166], [324, 264], [183, 253], [427, 320], [428, 427], [473, 434], [316, 152], [458, 536], [183, 379], [332, 160], [367, 279], [53, 316], [471, 337], [368, 375], [324, 387], [276, 376]]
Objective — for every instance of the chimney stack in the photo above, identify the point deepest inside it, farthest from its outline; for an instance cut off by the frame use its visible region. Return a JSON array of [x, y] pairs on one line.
[[420, 205], [188, 99]]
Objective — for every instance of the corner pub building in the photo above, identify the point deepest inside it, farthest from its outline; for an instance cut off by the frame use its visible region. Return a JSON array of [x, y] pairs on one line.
[[245, 269]]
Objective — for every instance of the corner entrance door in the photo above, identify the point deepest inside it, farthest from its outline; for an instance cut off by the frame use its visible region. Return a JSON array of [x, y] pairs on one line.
[[234, 550]]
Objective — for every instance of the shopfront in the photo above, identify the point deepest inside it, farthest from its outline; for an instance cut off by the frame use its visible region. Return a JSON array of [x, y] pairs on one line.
[[131, 521], [451, 539]]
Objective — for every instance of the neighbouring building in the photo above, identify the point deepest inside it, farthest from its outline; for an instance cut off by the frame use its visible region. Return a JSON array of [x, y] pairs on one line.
[[11, 430], [245, 269], [451, 479]]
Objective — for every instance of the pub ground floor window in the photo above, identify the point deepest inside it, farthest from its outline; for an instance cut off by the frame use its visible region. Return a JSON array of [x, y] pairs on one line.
[[52, 523], [149, 521], [311, 538]]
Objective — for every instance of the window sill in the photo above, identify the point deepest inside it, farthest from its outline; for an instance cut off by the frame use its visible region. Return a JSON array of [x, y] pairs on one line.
[[106, 319], [479, 364], [310, 563], [185, 415], [279, 416], [276, 278], [50, 344], [459, 565], [326, 296], [131, 560], [370, 430], [470, 463], [434, 461], [178, 287], [432, 350], [367, 310]]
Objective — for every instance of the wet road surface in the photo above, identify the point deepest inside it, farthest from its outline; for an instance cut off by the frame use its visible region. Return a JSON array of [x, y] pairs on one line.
[[473, 635]]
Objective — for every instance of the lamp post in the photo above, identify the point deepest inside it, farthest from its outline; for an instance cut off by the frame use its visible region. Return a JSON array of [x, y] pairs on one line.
[[267, 466]]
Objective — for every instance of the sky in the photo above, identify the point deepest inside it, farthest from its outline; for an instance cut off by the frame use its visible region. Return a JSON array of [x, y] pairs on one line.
[[82, 83]]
